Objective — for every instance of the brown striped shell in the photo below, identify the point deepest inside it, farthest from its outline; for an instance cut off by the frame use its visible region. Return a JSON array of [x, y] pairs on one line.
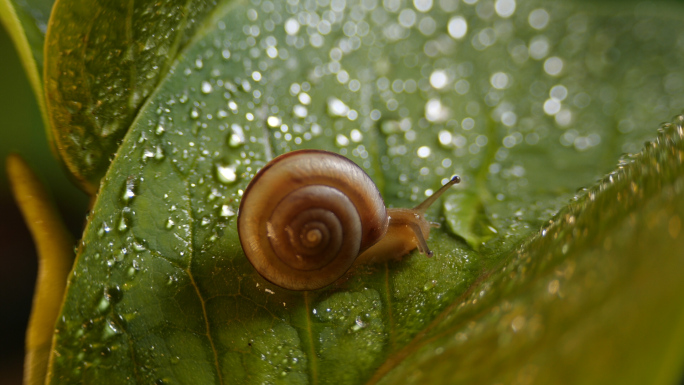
[[306, 217]]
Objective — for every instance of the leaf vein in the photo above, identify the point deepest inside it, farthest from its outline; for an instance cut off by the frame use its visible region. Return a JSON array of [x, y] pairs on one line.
[[390, 317], [313, 362], [131, 44], [197, 289], [135, 363]]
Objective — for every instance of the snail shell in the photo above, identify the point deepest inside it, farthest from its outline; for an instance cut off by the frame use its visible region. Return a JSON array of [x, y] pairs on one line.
[[307, 216], [299, 214]]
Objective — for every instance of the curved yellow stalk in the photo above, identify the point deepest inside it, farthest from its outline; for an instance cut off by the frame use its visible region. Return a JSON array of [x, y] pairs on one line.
[[55, 257]]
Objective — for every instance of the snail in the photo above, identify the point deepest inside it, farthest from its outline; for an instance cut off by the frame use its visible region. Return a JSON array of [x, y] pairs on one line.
[[309, 215]]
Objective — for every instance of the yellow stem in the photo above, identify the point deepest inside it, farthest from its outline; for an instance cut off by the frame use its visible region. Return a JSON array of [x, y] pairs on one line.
[[54, 245]]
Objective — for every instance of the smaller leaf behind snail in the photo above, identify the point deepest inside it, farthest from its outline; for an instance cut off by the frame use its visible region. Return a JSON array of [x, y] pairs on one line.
[[309, 215]]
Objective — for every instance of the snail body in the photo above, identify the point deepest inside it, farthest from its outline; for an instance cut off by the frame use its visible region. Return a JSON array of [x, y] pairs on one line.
[[309, 215]]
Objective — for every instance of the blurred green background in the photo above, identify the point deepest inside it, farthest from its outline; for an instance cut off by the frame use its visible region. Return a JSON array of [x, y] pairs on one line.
[[22, 132]]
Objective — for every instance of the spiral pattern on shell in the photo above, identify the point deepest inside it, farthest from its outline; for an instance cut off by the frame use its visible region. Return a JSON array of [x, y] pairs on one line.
[[306, 216]]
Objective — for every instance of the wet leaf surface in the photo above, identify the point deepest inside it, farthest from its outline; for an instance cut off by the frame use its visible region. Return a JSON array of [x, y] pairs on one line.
[[103, 60], [592, 298], [527, 102]]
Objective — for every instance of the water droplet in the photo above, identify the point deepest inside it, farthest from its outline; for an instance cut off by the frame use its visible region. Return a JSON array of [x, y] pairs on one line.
[[237, 136], [226, 211], [505, 8], [342, 140], [147, 154], [539, 47], [435, 111], [336, 107], [206, 87], [304, 98], [103, 305], [423, 151], [430, 285], [538, 19], [126, 214], [111, 261], [245, 86], [104, 229], [358, 324], [273, 121], [114, 326], [113, 294], [158, 153], [300, 111], [194, 113], [553, 66], [552, 106], [120, 254], [439, 79], [226, 173], [457, 27], [291, 26], [138, 246], [172, 279], [499, 80], [445, 138], [422, 5]]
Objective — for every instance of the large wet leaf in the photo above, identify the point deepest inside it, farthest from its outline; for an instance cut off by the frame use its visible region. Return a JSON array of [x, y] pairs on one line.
[[103, 59], [593, 298], [527, 103]]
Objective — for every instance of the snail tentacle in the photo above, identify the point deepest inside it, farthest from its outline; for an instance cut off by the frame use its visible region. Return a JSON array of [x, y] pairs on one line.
[[422, 243]]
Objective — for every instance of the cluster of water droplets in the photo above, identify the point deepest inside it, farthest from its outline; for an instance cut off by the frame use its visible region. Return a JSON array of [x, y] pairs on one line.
[[440, 87], [349, 330], [121, 75], [279, 355]]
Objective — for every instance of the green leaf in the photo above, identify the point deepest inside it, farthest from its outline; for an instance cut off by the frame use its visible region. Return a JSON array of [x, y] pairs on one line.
[[26, 22], [593, 298], [103, 60], [527, 108]]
